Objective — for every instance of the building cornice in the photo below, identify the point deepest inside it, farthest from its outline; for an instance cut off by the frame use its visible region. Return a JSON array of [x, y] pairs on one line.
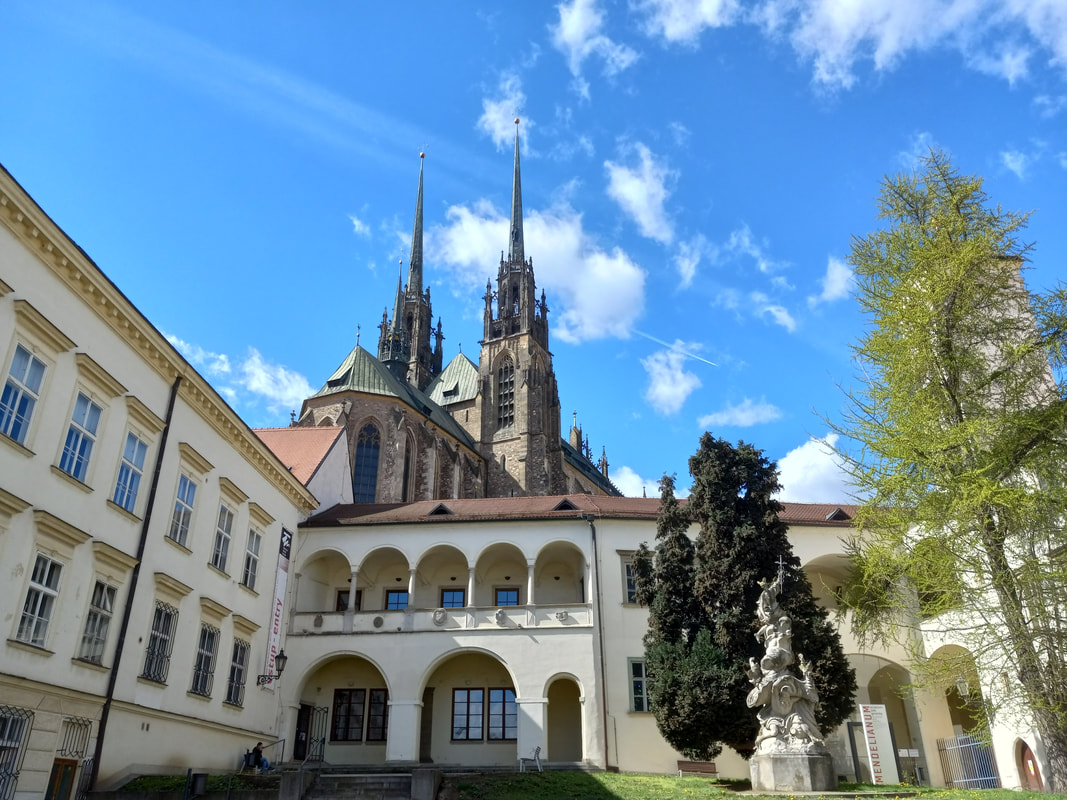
[[42, 237]]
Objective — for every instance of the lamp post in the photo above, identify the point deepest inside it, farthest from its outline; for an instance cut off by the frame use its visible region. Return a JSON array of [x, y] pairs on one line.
[[280, 661]]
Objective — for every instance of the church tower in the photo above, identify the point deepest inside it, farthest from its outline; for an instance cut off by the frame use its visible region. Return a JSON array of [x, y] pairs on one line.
[[406, 337], [520, 412]]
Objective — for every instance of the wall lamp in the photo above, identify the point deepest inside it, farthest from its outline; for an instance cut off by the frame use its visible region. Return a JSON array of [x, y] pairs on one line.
[[280, 660]]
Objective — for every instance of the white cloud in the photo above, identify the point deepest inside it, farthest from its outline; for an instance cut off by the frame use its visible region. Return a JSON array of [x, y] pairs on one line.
[[743, 242], [764, 307], [689, 255], [499, 112], [684, 20], [743, 415], [1050, 105], [1061, 157], [593, 293], [670, 384], [919, 148], [578, 36], [641, 191], [730, 299], [1016, 161], [281, 387], [633, 485], [204, 360], [836, 283], [359, 227], [812, 473]]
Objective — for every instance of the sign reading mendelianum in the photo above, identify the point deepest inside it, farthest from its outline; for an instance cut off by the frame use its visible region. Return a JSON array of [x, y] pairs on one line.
[[880, 756]]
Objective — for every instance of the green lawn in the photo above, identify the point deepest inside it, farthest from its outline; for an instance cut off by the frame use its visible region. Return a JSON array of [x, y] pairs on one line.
[[612, 786]]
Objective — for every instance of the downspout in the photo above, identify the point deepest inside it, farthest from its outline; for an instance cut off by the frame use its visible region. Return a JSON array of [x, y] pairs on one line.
[[600, 636], [127, 612]]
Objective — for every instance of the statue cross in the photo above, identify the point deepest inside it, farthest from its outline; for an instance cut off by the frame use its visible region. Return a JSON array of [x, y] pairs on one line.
[[781, 568]]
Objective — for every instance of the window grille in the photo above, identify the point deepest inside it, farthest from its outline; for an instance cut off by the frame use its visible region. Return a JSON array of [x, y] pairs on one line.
[[160, 640], [74, 741], [235, 687], [15, 726], [97, 623], [204, 668]]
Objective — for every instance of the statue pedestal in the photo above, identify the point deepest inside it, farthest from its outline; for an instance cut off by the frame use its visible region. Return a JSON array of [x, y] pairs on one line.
[[792, 772]]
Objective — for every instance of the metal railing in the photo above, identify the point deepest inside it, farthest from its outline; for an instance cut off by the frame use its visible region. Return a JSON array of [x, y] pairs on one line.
[[968, 763]]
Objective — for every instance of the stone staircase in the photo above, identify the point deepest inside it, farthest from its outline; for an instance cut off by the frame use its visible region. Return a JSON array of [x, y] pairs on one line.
[[361, 785]]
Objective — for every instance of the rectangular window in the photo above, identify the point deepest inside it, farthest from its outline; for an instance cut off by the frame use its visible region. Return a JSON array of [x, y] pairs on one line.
[[248, 576], [467, 706], [348, 715], [235, 687], [40, 601], [21, 393], [81, 435], [453, 598], [503, 714], [204, 668], [183, 510], [629, 586], [638, 690], [378, 715], [97, 623], [507, 596], [342, 600], [160, 639], [15, 725], [396, 599], [220, 553], [130, 471]]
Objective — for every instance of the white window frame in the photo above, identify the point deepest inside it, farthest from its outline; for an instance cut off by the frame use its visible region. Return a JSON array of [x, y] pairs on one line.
[[128, 481], [77, 449], [181, 518], [16, 390], [220, 551], [41, 596], [97, 622], [250, 571], [204, 665], [642, 705], [629, 585]]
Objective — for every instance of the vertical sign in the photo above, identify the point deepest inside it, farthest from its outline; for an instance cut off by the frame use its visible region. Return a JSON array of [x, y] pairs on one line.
[[876, 735], [276, 616]]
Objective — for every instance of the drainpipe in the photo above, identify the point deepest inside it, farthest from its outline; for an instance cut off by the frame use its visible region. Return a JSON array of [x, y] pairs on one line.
[[590, 518], [128, 610]]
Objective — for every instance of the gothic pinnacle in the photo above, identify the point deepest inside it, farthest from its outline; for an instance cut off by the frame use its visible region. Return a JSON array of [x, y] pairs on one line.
[[516, 251]]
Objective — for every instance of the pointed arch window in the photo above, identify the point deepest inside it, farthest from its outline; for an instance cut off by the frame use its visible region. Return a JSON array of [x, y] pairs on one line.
[[407, 490], [505, 394], [515, 300], [365, 471]]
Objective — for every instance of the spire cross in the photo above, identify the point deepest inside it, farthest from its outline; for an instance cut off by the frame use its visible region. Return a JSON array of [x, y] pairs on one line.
[[357, 334]]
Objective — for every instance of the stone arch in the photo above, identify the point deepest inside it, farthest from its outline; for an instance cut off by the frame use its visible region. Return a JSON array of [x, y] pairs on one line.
[[383, 570], [504, 389], [500, 567], [564, 728], [367, 445], [1027, 765], [827, 574], [323, 576], [469, 709], [442, 571], [559, 574]]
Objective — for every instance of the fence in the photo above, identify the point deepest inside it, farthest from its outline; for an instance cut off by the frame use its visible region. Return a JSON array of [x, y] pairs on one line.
[[968, 763]]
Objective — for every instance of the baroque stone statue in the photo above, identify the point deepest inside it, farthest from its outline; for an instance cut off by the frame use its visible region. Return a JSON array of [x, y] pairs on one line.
[[788, 731]]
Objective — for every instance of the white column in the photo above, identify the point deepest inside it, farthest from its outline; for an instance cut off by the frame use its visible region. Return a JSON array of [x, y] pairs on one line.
[[352, 590], [402, 744], [530, 582], [411, 588], [470, 588], [532, 713]]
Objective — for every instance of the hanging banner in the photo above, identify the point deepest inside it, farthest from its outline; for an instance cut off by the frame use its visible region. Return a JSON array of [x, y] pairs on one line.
[[880, 756], [277, 618]]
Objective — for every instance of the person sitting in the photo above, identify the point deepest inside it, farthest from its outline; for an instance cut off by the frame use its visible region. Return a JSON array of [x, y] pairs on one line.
[[259, 761]]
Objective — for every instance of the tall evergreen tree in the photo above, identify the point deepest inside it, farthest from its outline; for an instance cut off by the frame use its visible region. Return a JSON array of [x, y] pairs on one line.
[[715, 583]]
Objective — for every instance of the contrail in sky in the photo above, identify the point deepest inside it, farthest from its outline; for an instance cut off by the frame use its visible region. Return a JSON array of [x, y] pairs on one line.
[[674, 347]]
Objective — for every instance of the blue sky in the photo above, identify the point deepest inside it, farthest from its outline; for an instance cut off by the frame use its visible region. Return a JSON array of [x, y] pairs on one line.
[[692, 175]]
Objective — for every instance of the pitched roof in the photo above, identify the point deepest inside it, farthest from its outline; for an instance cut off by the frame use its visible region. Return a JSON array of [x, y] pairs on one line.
[[530, 508], [588, 469], [301, 449], [362, 372], [456, 383]]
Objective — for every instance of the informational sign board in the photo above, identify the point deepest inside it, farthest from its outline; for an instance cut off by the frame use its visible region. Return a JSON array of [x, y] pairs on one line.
[[276, 616], [879, 744]]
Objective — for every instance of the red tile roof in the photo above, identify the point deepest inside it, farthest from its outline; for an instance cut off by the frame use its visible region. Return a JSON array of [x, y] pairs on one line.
[[301, 449], [552, 507]]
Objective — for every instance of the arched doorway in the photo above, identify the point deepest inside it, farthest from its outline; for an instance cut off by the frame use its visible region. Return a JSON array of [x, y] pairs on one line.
[[1029, 772], [565, 738], [469, 712]]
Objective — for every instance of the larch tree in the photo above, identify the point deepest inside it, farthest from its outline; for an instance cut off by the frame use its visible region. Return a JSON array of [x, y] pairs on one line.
[[960, 432], [704, 653]]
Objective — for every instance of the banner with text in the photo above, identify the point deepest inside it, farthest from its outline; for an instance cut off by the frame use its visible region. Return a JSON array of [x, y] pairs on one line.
[[880, 756], [276, 617]]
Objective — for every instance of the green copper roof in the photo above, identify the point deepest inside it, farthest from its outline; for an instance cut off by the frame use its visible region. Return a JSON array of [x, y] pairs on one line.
[[456, 383], [362, 372]]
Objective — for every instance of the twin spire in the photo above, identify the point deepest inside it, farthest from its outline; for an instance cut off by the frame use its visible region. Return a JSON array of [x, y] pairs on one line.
[[516, 251]]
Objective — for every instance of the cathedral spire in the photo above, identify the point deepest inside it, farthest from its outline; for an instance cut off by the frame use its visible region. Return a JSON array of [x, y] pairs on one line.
[[415, 262], [396, 327], [516, 251]]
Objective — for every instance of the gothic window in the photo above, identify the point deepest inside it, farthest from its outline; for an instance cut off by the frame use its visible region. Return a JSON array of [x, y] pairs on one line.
[[505, 394], [515, 300], [407, 490], [365, 472]]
